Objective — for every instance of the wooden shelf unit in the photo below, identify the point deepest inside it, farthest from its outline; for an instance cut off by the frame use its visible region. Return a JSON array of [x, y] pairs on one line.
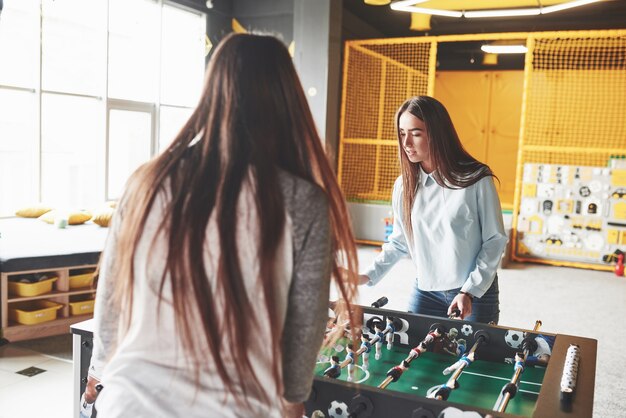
[[60, 293]]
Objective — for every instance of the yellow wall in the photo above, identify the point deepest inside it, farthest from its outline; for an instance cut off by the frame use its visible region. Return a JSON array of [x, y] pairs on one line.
[[485, 107]]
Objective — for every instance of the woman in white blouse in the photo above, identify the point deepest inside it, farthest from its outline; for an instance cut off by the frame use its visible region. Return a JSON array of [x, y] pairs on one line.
[[449, 222]]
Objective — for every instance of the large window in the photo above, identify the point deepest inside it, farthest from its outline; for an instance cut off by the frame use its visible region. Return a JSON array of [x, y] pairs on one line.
[[130, 133], [89, 90], [73, 35], [19, 149], [72, 146], [134, 46]]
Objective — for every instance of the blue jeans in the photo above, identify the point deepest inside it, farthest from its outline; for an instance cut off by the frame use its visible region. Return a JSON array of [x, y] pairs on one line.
[[485, 309]]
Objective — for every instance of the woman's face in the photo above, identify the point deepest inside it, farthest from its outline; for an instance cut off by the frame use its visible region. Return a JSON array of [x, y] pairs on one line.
[[414, 140]]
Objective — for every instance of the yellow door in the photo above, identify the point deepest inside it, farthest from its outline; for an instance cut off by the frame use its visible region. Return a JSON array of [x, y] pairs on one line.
[[466, 96], [503, 142], [485, 107]]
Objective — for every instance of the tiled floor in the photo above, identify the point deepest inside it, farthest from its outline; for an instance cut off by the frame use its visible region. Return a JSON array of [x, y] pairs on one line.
[[48, 394]]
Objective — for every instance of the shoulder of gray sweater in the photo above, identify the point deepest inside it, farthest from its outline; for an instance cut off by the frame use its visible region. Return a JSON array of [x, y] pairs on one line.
[[300, 195], [304, 201]]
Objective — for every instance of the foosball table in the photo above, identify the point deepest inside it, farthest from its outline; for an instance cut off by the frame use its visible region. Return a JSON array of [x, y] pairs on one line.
[[406, 365]]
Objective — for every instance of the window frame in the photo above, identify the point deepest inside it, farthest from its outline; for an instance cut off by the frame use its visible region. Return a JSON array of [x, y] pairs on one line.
[[107, 104], [129, 105]]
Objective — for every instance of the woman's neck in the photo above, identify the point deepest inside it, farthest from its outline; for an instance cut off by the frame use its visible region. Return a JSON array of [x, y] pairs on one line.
[[427, 167]]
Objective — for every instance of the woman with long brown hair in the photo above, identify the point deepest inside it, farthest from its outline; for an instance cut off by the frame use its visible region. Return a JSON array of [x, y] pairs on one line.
[[214, 283], [447, 218]]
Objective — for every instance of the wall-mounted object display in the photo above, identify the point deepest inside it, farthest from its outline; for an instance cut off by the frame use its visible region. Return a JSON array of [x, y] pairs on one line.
[[571, 214]]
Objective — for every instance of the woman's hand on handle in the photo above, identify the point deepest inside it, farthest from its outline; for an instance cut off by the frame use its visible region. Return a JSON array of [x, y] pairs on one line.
[[91, 392], [462, 302]]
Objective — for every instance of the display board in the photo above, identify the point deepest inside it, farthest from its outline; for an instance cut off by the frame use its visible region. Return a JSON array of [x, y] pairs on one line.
[[572, 213]]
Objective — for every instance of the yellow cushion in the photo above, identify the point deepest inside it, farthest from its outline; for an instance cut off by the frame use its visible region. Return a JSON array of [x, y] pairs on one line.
[[103, 216], [33, 211], [73, 218]]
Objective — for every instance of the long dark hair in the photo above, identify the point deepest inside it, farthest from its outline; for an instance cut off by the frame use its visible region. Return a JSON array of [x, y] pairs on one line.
[[455, 168], [252, 120]]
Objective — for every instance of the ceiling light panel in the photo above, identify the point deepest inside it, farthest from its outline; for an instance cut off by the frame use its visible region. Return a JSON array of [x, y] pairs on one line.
[[511, 8]]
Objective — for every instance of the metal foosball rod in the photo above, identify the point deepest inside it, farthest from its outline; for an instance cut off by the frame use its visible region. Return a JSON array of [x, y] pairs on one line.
[[381, 333], [379, 336], [379, 303], [481, 337], [352, 355], [334, 371], [510, 389], [480, 340], [373, 341], [395, 372]]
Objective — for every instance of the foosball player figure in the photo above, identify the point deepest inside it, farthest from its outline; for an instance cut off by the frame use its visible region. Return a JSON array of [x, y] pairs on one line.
[[461, 346], [434, 340], [416, 351], [396, 372], [444, 391], [378, 331], [465, 360], [390, 329], [365, 349], [334, 371], [351, 360], [519, 362], [541, 349]]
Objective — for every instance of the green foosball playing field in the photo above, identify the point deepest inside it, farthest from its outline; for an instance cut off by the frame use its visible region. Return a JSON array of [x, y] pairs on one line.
[[479, 384]]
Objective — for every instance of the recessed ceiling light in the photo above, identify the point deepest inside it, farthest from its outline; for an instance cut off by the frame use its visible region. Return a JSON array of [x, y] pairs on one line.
[[504, 49]]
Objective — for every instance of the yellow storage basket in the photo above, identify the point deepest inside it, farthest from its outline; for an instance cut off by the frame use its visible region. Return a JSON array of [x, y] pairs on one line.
[[34, 312], [31, 289], [81, 280], [82, 307]]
